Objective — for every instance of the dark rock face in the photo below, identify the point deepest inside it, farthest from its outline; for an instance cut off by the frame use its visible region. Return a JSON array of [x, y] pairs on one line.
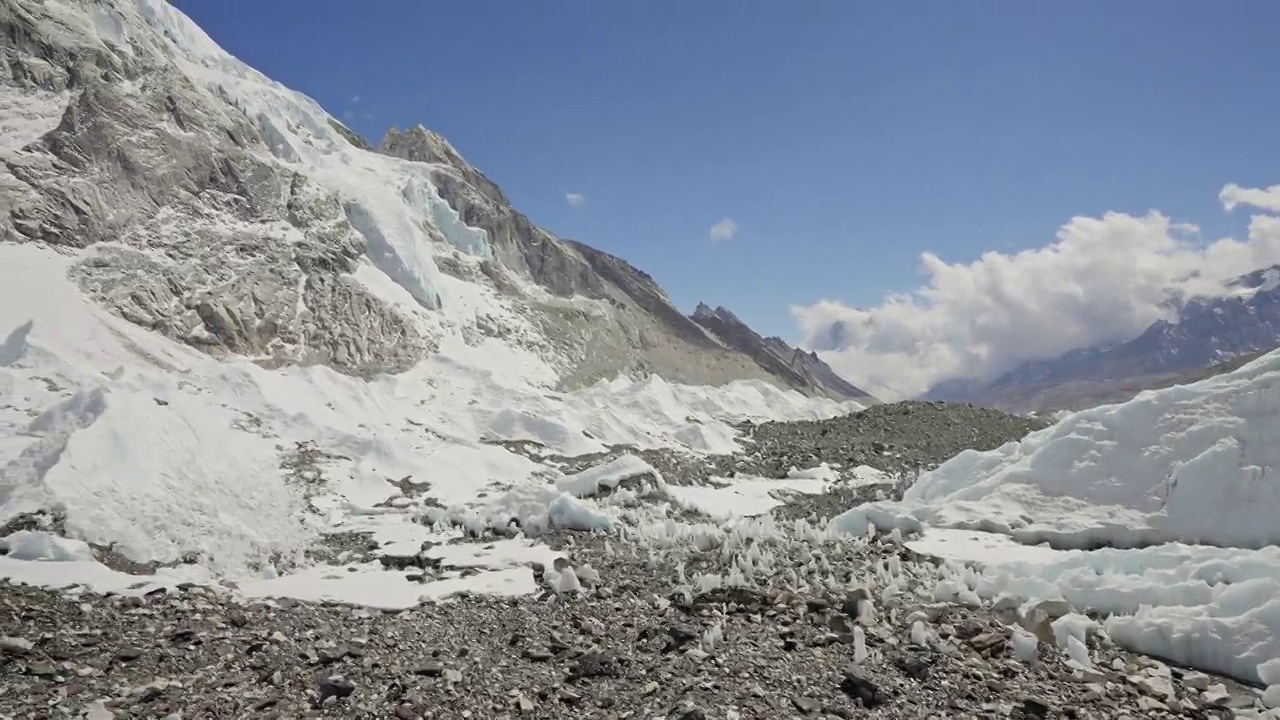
[[1208, 333], [798, 368], [641, 289]]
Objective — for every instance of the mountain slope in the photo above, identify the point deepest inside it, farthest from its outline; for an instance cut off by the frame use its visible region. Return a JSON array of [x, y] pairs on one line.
[[1206, 333], [151, 133]]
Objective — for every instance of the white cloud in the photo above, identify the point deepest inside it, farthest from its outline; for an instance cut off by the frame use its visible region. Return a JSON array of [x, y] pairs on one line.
[[355, 99], [1101, 280], [1267, 198], [724, 230], [575, 199]]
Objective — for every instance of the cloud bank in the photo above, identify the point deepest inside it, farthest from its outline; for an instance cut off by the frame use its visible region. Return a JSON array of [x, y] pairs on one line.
[[575, 199], [1101, 280]]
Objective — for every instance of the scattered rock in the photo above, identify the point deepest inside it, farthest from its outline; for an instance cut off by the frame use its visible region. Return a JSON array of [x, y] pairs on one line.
[[15, 645], [806, 705], [430, 669], [41, 669], [594, 664], [916, 668], [858, 685], [334, 686], [1034, 707], [687, 712]]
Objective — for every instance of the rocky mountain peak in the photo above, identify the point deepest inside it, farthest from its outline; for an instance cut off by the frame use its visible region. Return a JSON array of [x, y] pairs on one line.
[[421, 145], [720, 313], [775, 354]]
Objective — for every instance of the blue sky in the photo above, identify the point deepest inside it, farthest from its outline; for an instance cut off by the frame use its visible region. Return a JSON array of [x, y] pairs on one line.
[[843, 138]]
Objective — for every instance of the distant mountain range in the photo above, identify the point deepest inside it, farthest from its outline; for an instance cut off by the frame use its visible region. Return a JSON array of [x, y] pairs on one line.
[[1209, 332]]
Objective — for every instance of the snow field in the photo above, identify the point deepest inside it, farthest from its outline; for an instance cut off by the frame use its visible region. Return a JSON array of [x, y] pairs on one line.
[[748, 496]]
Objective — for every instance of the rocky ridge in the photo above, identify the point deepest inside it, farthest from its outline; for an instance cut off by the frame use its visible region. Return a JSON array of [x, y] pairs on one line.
[[803, 369]]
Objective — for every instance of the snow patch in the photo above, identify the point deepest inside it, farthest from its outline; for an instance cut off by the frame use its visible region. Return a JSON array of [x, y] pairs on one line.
[[27, 115], [652, 413], [743, 496], [822, 471], [604, 478], [372, 586]]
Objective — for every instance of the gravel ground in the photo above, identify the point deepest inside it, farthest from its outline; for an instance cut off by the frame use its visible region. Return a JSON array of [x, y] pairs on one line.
[[631, 646], [897, 438], [687, 619]]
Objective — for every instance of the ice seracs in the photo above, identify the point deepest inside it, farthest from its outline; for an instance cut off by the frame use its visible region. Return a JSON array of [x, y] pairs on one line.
[[1182, 484], [1167, 466]]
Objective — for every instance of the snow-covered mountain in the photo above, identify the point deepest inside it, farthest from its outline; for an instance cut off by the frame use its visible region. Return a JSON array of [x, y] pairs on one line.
[[230, 323], [1207, 332], [227, 212]]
